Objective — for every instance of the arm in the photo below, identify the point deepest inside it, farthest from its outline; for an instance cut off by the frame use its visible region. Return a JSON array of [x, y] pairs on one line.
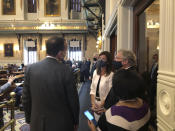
[[92, 92], [93, 101], [26, 96], [101, 124], [72, 96], [4, 87], [91, 126], [7, 85]]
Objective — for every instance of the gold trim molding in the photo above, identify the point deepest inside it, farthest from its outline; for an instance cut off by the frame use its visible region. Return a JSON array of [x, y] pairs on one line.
[[44, 28]]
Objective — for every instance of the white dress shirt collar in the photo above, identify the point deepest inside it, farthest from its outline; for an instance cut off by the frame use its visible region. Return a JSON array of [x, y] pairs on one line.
[[51, 57]]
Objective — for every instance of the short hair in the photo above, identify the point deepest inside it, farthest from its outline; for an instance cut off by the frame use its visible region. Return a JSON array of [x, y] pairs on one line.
[[54, 45], [129, 55], [127, 84], [109, 63]]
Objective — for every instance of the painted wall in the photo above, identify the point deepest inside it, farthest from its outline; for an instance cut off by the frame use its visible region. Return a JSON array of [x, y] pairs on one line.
[[21, 12], [17, 57], [91, 47], [110, 5], [41, 48], [124, 16], [64, 11]]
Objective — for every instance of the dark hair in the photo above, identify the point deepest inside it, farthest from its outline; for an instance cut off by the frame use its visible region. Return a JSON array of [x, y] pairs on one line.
[[108, 63], [54, 45], [127, 84]]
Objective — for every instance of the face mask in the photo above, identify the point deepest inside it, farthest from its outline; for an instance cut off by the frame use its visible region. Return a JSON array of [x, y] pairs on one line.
[[154, 60], [94, 59], [117, 64], [101, 63]]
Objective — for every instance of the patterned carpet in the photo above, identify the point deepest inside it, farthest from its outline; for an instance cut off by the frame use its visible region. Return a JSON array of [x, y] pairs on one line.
[[20, 121]]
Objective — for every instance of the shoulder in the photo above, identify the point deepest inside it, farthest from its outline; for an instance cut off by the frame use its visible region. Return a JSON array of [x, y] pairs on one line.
[[34, 65], [65, 69], [128, 118]]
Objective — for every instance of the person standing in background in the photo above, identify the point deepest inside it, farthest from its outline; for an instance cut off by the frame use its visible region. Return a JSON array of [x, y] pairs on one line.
[[93, 67], [50, 97], [153, 90], [88, 62]]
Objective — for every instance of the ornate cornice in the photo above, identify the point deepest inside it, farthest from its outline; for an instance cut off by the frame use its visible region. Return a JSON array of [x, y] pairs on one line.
[[43, 26]]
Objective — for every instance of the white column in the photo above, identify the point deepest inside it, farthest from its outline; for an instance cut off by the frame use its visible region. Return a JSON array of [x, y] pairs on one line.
[[106, 46], [125, 28], [166, 77]]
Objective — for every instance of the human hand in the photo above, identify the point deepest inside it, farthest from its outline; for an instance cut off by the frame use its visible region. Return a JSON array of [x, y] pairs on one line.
[[100, 111], [11, 79], [95, 107], [91, 126]]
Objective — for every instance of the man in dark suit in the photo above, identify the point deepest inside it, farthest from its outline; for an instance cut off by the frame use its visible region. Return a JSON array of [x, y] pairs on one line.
[[153, 90], [153, 73], [88, 63], [50, 97], [84, 71], [125, 59], [93, 68]]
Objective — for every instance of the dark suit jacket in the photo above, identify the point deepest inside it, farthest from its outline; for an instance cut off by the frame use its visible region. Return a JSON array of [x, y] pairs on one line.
[[50, 97], [154, 75]]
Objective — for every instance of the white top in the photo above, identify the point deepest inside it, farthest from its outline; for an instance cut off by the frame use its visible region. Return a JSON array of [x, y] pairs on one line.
[[104, 87]]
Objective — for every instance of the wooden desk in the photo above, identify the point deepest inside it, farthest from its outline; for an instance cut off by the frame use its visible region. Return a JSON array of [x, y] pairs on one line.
[[18, 73], [3, 81], [19, 76], [17, 79]]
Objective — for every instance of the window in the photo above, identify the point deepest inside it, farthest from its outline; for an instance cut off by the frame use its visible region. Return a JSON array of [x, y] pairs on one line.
[[74, 50], [30, 52], [31, 6], [76, 5]]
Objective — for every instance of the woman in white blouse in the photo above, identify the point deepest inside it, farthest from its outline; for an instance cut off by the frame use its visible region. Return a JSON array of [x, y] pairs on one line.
[[101, 82]]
